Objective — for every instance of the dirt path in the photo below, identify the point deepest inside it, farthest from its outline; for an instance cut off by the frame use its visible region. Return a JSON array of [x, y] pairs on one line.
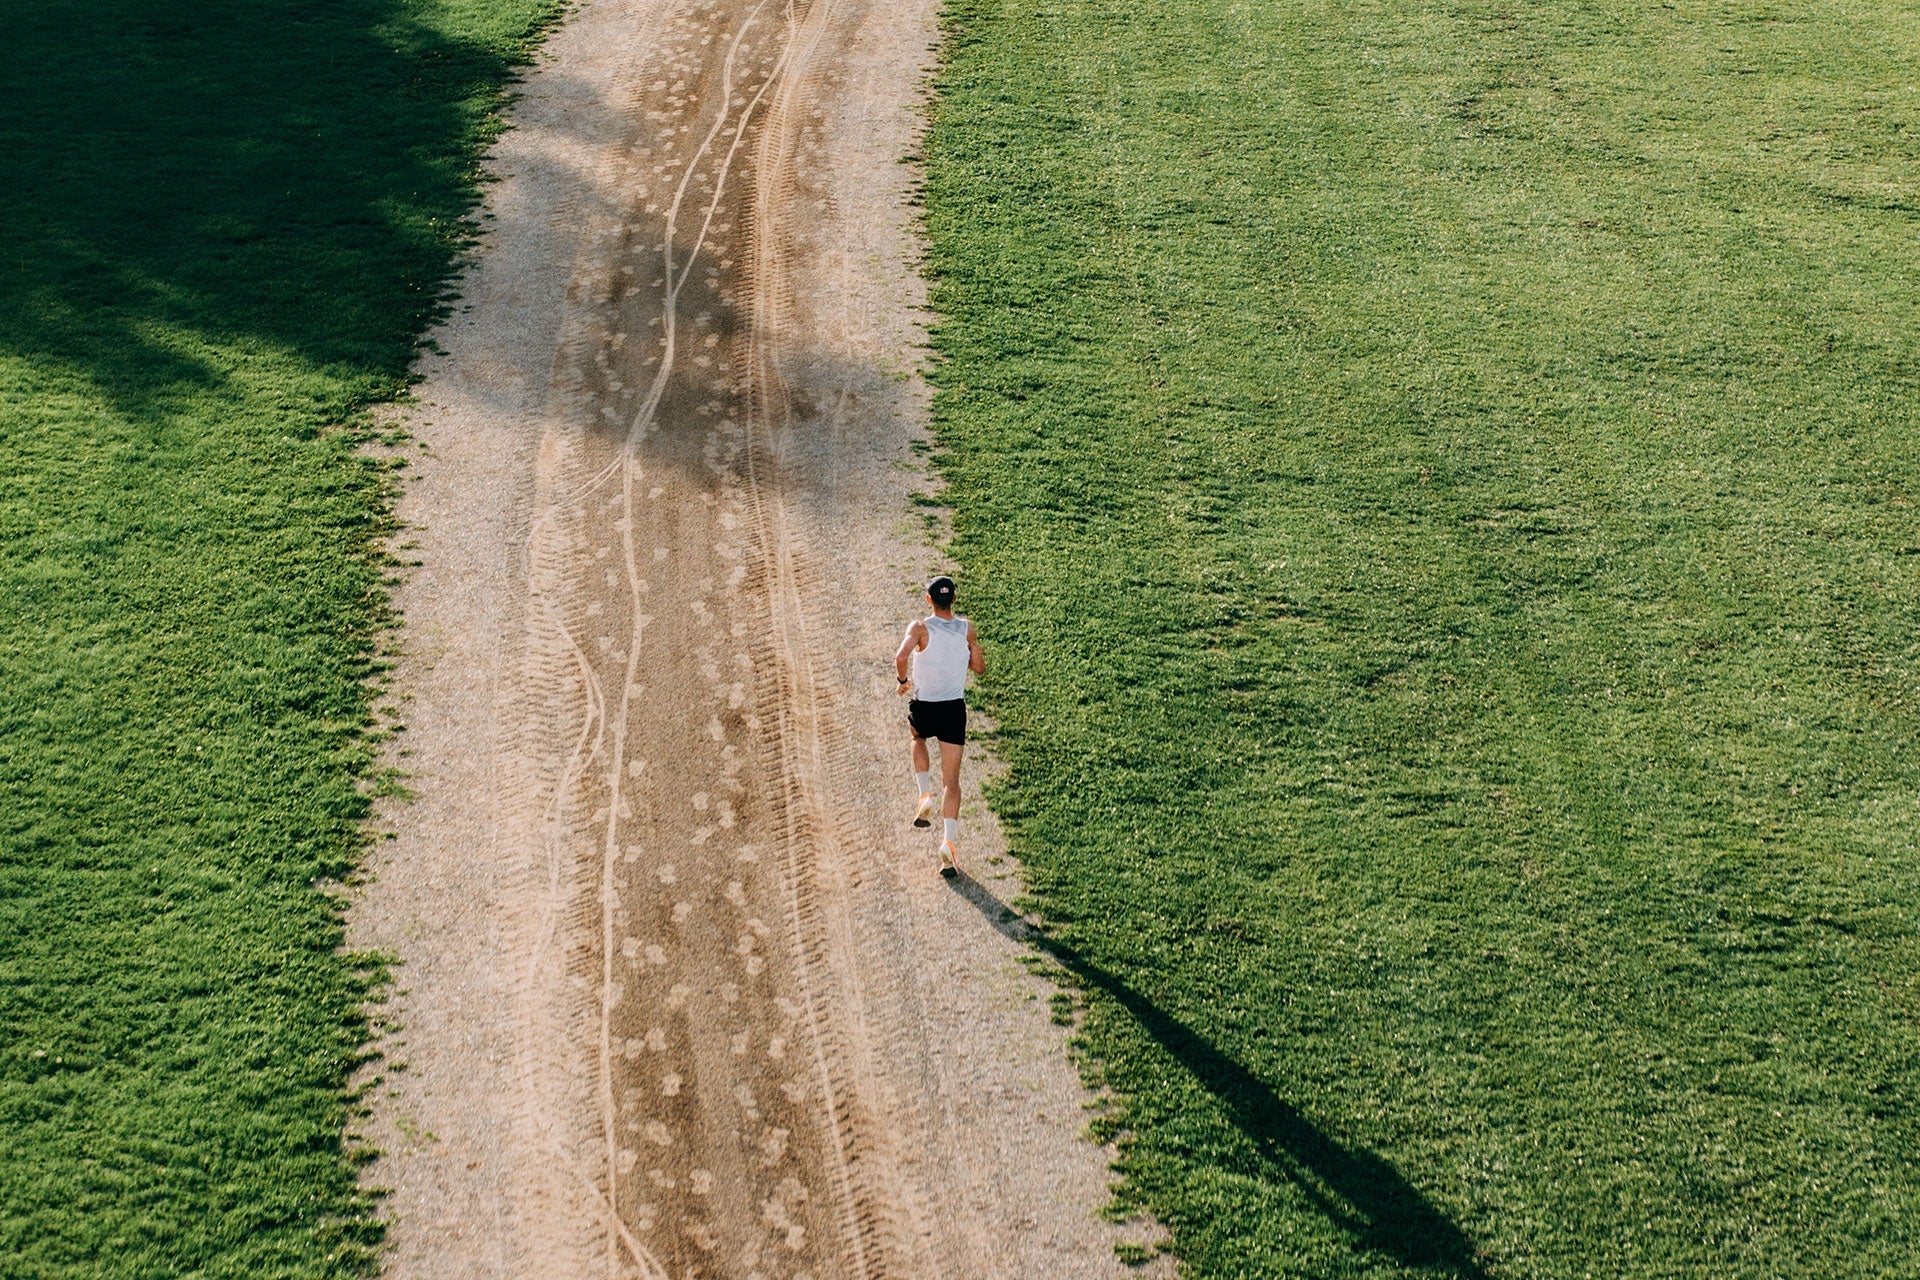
[[682, 995]]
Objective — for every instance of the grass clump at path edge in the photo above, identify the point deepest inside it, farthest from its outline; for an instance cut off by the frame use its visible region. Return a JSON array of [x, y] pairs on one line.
[[223, 230], [1438, 483]]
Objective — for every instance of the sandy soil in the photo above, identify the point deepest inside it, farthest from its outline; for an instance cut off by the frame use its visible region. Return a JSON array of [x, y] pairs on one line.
[[681, 993]]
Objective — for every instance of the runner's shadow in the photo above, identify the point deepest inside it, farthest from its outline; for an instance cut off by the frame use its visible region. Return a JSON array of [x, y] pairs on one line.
[[1360, 1193]]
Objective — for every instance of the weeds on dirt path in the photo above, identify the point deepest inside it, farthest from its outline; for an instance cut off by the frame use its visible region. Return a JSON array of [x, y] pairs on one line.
[[1440, 481], [223, 227]]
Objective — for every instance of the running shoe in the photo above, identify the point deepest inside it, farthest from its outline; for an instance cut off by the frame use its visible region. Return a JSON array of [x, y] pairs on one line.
[[947, 855], [923, 816]]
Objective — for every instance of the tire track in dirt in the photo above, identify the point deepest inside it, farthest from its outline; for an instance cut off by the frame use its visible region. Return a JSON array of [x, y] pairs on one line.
[[811, 743], [700, 1038], [788, 1158]]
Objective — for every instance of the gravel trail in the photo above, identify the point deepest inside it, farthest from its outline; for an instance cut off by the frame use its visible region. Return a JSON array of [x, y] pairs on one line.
[[681, 993]]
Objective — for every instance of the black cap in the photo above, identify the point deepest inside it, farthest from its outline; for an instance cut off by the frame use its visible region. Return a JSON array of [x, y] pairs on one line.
[[940, 590]]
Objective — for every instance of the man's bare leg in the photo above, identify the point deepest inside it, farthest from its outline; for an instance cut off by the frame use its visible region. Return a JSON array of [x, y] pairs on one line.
[[923, 775], [950, 804], [949, 779]]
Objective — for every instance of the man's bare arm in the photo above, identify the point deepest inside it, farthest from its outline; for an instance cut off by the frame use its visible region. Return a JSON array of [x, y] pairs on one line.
[[976, 656], [916, 640]]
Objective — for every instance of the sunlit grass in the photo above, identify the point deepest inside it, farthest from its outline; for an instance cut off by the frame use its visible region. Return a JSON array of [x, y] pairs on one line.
[[1437, 481], [221, 229]]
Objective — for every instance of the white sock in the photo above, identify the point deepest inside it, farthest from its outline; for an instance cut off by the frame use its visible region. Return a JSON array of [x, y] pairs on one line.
[[926, 783], [953, 828]]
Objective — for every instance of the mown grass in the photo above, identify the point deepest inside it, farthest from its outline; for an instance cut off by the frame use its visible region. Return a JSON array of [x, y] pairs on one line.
[[1437, 481], [222, 227]]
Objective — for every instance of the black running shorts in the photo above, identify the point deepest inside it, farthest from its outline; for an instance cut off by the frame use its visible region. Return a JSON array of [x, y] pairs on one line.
[[946, 721]]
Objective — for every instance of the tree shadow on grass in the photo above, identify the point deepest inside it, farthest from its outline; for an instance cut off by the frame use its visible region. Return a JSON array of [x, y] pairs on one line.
[[218, 221], [187, 185], [1362, 1195]]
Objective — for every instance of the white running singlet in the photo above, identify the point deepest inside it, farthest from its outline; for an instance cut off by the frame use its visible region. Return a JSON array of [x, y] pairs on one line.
[[940, 669]]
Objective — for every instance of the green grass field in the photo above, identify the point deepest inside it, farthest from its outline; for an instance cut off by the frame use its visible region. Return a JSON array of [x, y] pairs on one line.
[[1438, 483], [222, 227]]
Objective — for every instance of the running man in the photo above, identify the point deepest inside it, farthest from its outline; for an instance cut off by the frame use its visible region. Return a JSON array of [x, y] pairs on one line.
[[941, 649]]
